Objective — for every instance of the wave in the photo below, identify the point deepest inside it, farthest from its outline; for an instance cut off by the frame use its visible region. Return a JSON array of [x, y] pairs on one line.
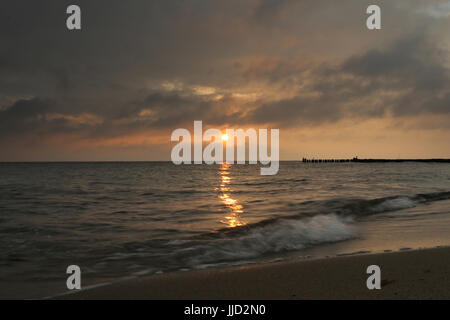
[[286, 235], [332, 221], [346, 208], [360, 208], [283, 236]]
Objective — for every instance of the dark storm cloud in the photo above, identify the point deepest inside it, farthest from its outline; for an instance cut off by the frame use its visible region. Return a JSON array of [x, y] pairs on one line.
[[23, 114], [415, 68], [415, 61], [28, 116], [413, 64], [408, 78]]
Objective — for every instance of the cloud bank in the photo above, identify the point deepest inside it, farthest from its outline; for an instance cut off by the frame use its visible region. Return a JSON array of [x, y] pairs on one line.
[[139, 69]]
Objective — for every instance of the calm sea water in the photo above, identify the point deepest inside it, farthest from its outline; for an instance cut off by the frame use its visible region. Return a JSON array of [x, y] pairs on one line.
[[121, 219]]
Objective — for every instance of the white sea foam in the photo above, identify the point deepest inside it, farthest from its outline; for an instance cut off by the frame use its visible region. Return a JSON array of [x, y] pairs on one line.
[[284, 235], [395, 204]]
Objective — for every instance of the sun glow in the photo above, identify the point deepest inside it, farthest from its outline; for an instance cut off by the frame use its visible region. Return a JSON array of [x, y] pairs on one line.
[[225, 137]]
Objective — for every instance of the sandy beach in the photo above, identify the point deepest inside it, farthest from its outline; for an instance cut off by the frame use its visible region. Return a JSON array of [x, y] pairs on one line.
[[419, 274]]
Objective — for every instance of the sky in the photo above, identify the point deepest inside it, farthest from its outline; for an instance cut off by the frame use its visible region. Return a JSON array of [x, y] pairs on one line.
[[139, 69]]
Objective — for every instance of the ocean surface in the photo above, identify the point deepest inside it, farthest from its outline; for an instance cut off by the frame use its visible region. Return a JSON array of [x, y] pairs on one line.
[[122, 219]]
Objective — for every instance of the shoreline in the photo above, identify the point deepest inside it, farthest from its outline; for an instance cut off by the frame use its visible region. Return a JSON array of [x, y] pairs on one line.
[[416, 274]]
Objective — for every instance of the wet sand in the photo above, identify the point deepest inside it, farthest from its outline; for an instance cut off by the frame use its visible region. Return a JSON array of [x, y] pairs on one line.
[[420, 274]]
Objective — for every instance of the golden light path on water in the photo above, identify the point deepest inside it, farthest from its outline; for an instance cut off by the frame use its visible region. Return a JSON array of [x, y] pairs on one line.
[[233, 219]]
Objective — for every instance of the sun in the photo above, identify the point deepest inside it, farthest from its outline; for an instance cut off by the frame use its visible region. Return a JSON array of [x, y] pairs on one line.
[[225, 137]]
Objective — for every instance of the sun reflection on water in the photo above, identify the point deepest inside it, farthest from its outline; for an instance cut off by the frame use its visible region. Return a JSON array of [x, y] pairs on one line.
[[233, 219]]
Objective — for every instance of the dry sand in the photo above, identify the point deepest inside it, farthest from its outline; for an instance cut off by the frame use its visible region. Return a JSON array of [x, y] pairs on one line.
[[420, 274]]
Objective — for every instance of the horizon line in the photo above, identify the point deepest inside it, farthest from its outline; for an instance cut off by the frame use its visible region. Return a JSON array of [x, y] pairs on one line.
[[355, 159]]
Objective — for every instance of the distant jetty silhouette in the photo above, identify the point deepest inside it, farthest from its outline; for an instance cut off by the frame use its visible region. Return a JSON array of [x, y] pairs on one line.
[[356, 159]]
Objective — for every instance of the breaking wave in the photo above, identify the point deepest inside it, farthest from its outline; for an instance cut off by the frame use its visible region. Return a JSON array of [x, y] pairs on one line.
[[321, 223]]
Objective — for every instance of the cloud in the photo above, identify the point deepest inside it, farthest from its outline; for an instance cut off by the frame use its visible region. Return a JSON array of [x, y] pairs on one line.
[[41, 117], [409, 77], [23, 115], [144, 66]]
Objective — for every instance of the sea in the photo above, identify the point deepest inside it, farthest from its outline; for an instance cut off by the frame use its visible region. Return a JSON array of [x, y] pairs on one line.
[[120, 220]]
